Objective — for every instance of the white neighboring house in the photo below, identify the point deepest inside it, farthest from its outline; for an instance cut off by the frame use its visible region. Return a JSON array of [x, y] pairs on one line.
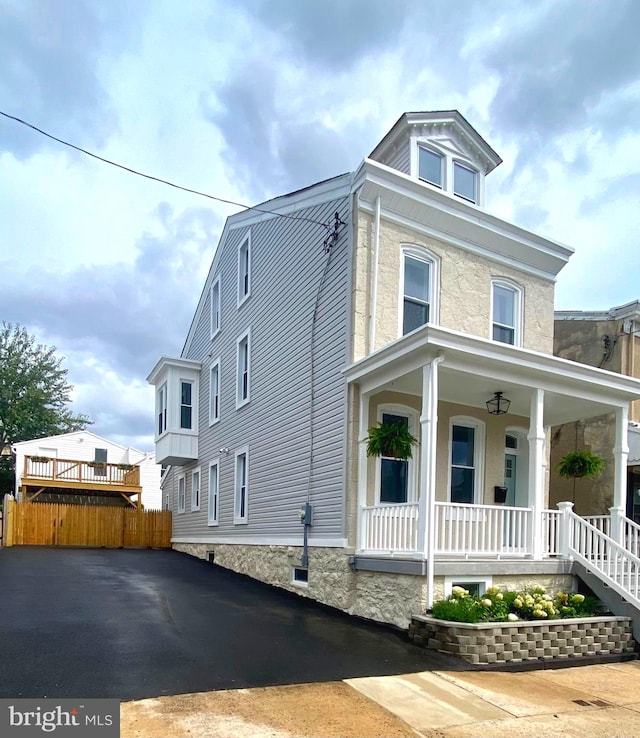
[[87, 448]]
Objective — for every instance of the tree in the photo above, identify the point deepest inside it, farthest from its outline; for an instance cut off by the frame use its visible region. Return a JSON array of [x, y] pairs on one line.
[[34, 392]]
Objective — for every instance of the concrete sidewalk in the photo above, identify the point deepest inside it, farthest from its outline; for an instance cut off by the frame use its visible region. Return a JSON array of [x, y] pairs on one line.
[[595, 701]]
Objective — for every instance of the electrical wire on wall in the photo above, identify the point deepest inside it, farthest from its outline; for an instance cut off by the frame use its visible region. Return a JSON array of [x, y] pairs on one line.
[[328, 245]]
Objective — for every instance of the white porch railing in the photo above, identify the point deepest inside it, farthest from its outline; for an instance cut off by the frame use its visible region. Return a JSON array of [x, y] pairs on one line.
[[390, 528], [607, 559], [551, 532], [631, 532], [601, 522], [482, 530]]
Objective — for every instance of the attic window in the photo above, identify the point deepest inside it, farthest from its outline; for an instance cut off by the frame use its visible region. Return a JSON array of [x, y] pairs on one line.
[[464, 182], [431, 166]]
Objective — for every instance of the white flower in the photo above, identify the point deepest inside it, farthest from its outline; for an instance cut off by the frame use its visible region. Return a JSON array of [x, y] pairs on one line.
[[517, 602], [499, 596], [512, 617], [486, 602]]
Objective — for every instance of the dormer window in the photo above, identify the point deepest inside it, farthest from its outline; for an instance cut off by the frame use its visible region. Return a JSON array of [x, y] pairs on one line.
[[465, 182], [431, 166]]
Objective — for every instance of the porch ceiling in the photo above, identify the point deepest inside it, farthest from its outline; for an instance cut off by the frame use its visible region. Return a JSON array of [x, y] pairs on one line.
[[473, 369]]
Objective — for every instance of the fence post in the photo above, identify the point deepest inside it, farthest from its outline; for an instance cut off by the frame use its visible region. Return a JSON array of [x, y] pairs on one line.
[[564, 529], [617, 524]]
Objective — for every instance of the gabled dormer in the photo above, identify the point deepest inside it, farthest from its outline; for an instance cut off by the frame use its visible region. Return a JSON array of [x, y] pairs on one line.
[[177, 383], [442, 150]]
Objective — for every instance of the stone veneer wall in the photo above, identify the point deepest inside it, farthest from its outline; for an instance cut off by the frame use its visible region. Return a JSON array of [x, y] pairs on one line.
[[491, 643], [386, 598]]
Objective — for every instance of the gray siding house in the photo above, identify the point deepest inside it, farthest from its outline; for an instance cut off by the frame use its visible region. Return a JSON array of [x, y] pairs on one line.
[[385, 296]]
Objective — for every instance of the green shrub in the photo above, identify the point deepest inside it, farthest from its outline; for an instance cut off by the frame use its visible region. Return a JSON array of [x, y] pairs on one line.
[[500, 606]]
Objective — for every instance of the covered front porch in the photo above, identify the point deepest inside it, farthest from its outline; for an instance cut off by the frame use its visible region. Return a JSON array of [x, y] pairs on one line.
[[477, 484]]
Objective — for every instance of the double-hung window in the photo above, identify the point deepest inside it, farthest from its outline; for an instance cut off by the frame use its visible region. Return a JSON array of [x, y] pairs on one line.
[[214, 480], [241, 501], [506, 310], [181, 494], [215, 307], [162, 409], [467, 449], [195, 490], [465, 182], [431, 166], [214, 392], [243, 369], [417, 293], [186, 404], [244, 270], [394, 472]]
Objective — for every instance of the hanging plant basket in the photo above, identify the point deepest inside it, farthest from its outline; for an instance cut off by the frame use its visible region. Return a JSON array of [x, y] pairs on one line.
[[393, 440], [125, 467], [579, 464]]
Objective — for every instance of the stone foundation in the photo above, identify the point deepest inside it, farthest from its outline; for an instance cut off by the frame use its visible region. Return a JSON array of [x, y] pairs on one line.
[[535, 640], [386, 598]]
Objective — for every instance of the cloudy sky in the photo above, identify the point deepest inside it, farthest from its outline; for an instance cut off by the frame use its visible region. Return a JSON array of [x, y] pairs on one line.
[[247, 99]]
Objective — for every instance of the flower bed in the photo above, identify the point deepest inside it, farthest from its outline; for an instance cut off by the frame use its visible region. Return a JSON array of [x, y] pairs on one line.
[[525, 641]]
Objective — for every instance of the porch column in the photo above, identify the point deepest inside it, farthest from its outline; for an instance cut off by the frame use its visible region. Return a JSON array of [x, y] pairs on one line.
[[620, 456], [363, 431], [536, 438], [428, 446]]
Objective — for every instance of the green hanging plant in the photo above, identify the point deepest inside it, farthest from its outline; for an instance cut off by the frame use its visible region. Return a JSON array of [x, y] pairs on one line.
[[391, 439], [579, 464]]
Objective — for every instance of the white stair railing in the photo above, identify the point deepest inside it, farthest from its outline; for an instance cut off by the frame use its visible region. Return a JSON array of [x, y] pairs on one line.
[[607, 559], [631, 533]]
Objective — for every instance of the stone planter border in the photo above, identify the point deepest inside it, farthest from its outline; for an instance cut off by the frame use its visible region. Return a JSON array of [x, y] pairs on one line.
[[525, 640]]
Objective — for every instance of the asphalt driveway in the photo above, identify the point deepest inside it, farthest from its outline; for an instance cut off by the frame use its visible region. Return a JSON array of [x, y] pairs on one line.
[[132, 624]]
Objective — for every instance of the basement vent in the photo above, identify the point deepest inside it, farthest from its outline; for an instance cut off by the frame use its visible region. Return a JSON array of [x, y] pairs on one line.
[[300, 575], [211, 556]]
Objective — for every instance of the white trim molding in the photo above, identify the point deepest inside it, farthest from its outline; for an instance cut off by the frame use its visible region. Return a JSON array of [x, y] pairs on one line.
[[213, 495], [241, 486], [244, 269], [243, 376], [195, 503]]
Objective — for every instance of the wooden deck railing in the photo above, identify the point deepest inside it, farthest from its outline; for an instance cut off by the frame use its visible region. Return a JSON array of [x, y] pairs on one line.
[[45, 469]]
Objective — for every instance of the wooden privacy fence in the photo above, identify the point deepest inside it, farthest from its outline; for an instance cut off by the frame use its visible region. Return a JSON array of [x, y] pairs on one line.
[[53, 524]]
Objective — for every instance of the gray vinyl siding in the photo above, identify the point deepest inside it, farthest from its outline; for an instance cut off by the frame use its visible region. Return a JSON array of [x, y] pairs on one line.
[[287, 262], [400, 159]]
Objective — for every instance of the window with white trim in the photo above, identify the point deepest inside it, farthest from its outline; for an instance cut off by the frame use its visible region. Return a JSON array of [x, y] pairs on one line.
[[214, 392], [506, 309], [396, 478], [243, 369], [417, 292], [214, 492], [186, 404], [244, 270], [465, 182], [195, 489], [475, 585], [241, 486], [466, 443], [181, 493], [215, 307], [162, 409], [431, 166]]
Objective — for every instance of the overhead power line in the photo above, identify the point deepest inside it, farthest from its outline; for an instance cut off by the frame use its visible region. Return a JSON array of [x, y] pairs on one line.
[[327, 226]]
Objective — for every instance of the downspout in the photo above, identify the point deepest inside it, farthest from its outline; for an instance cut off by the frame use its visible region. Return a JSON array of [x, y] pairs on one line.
[[430, 490], [374, 278]]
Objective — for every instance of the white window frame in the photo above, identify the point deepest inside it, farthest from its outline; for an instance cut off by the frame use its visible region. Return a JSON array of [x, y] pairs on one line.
[[467, 421], [443, 165], [216, 302], [518, 304], [476, 176], [213, 510], [214, 408], [182, 381], [420, 253], [242, 295], [413, 463], [245, 337], [485, 582], [182, 493], [239, 519], [195, 501], [161, 409]]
